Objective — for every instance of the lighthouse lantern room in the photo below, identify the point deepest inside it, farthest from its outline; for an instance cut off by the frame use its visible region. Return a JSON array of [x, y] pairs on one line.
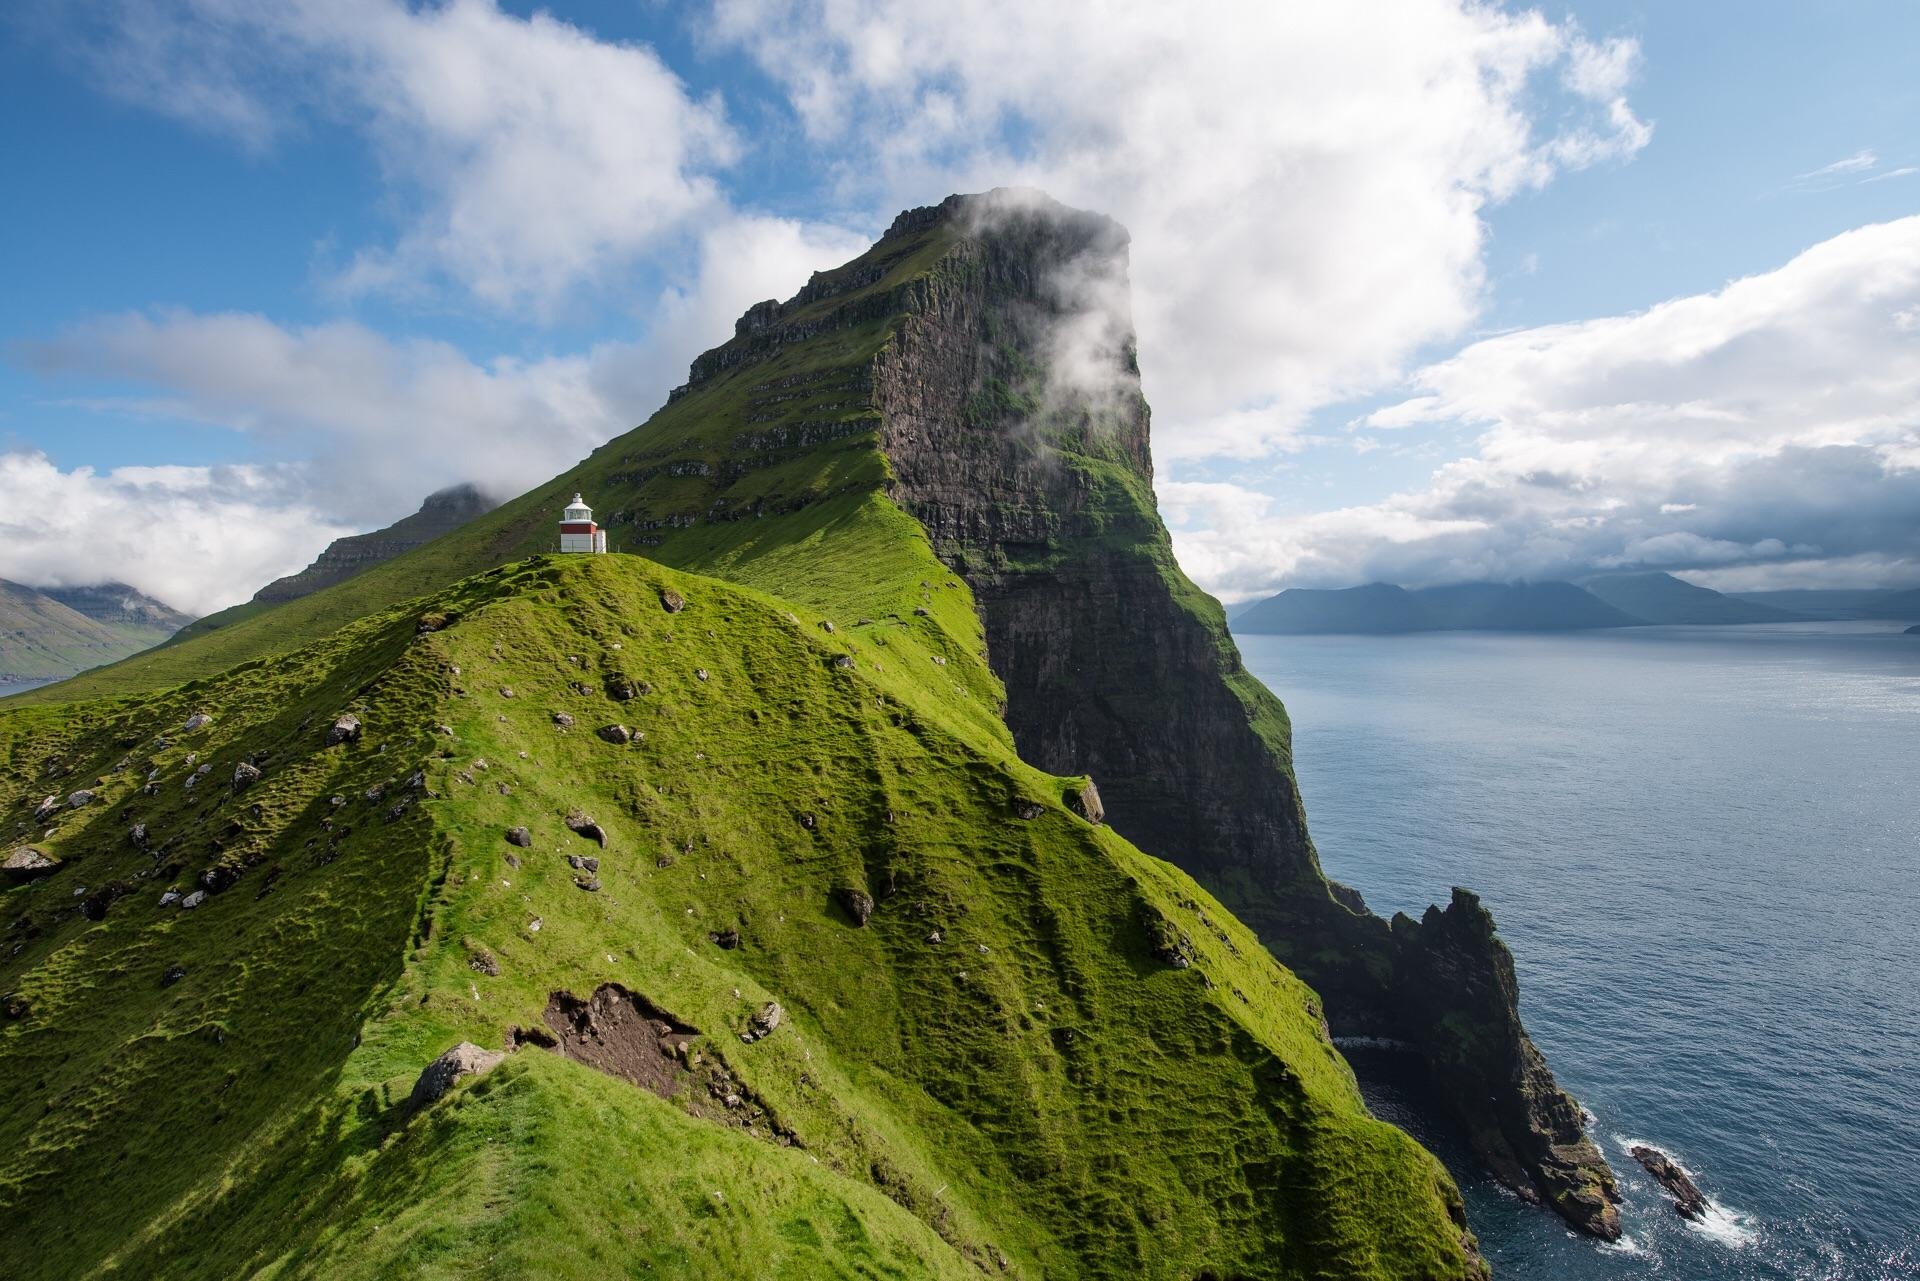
[[578, 533]]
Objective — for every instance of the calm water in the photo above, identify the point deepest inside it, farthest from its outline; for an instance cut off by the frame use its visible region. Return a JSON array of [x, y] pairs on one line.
[[1701, 844]]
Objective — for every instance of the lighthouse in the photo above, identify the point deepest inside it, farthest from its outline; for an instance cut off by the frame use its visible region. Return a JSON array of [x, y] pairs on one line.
[[578, 533]]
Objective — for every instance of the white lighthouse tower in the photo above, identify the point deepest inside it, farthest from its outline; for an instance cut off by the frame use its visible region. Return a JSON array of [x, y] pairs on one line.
[[578, 533]]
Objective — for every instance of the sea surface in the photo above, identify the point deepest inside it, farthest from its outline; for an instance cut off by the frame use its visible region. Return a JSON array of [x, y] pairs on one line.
[[1701, 844]]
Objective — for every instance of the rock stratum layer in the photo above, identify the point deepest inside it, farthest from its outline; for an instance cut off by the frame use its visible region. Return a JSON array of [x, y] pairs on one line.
[[875, 979]]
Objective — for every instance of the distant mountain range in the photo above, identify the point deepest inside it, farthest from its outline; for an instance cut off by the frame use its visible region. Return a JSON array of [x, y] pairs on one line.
[[444, 510], [51, 632], [1614, 600], [1894, 604]]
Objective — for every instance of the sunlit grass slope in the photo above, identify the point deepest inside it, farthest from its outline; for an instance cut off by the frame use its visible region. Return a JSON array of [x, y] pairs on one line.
[[1005, 1071]]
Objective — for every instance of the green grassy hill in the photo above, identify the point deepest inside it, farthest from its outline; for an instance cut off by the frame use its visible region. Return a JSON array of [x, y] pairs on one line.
[[1044, 1046], [53, 633], [1044, 1052]]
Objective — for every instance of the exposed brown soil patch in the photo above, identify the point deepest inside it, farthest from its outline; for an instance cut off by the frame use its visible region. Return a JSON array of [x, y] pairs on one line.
[[625, 1035]]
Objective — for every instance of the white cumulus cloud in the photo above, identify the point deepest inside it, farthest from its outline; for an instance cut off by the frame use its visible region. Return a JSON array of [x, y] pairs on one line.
[[1771, 426], [1304, 182]]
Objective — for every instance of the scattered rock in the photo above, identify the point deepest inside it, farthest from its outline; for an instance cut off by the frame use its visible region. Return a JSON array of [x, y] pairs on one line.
[[196, 721], [464, 1059], [169, 898], [726, 940], [921, 611], [245, 776], [29, 864], [700, 672], [591, 884], [478, 958], [843, 660], [621, 688], [671, 601], [1027, 811], [199, 774], [138, 835], [79, 798], [173, 975], [934, 937], [446, 730], [586, 827], [46, 809], [1170, 944], [506, 691], [194, 899], [859, 903], [1688, 1200], [583, 862], [1085, 801], [345, 729], [95, 906], [520, 836], [763, 1023], [432, 623], [619, 734], [375, 792], [826, 627], [563, 720]]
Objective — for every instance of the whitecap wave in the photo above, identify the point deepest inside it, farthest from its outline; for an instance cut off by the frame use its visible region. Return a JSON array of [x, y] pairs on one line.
[[1729, 1227]]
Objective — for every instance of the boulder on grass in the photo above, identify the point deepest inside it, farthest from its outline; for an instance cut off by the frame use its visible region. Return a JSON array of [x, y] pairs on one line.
[[1085, 801], [464, 1059], [29, 864]]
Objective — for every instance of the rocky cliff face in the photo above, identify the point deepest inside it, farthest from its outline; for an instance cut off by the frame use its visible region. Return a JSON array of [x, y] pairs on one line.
[[1014, 424], [445, 510]]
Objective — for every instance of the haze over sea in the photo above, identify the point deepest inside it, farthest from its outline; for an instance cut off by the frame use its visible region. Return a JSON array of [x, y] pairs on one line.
[[1700, 844]]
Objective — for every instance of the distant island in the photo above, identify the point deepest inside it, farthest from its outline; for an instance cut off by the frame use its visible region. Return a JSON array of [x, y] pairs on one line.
[[1613, 600]]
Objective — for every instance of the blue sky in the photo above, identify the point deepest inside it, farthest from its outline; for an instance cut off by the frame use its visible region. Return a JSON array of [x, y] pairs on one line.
[[276, 272]]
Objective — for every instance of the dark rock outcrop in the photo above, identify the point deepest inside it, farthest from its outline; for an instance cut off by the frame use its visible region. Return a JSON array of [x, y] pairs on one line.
[[442, 512], [1688, 1200], [858, 903], [345, 729], [1012, 418], [584, 826]]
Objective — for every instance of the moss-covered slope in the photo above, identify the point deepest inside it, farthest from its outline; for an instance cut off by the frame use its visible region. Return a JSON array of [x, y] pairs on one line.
[[894, 448], [1043, 1052]]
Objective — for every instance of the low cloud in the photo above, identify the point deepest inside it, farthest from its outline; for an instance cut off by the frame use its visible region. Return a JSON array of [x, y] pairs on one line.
[[187, 535], [1304, 183], [1771, 427]]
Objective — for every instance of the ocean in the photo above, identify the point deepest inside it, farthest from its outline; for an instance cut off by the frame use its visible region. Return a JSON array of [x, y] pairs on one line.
[[1701, 844]]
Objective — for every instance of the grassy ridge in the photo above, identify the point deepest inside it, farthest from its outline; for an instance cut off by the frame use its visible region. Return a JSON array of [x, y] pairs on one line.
[[1040, 1085]]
